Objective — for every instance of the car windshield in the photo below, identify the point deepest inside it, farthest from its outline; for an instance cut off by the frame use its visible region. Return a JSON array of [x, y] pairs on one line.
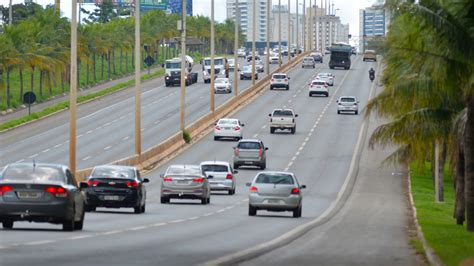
[[324, 75], [347, 100], [318, 82], [227, 122], [113, 172], [282, 113], [183, 170], [33, 174], [267, 178], [214, 168], [230, 61], [279, 76], [170, 65], [221, 81], [251, 145], [207, 62], [247, 68], [308, 59]]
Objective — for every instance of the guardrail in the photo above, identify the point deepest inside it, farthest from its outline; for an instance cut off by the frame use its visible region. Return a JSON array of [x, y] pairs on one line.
[[157, 153]]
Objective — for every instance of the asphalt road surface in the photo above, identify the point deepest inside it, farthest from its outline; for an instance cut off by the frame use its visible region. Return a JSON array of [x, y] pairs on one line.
[[186, 232]]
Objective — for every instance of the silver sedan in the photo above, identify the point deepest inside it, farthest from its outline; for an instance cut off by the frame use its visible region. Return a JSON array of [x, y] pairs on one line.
[[277, 192], [222, 85], [185, 182]]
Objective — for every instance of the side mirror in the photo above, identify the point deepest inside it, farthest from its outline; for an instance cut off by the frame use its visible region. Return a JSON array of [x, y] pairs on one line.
[[83, 185], [266, 148], [236, 172], [146, 180], [357, 101], [296, 115], [248, 184], [303, 186], [289, 78], [242, 125], [337, 101], [270, 115], [210, 176], [162, 65]]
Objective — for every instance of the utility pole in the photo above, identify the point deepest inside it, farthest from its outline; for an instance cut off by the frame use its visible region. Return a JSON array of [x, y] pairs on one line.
[[254, 35], [304, 26], [236, 47], [310, 26], [183, 64], [213, 75], [289, 32], [267, 63], [10, 13], [297, 22], [73, 90], [321, 37], [279, 33], [58, 6], [138, 132]]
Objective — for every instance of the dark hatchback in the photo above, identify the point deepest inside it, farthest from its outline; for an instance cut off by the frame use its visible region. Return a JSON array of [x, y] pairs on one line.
[[41, 193], [116, 186]]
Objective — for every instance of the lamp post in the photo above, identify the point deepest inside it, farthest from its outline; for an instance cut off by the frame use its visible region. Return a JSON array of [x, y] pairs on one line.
[[304, 26], [138, 144], [254, 35], [213, 75], [267, 63], [289, 32], [73, 90], [236, 46], [297, 23], [279, 33], [310, 26], [10, 13], [183, 64]]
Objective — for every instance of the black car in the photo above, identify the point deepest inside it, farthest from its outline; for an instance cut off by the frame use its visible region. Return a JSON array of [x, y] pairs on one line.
[[249, 58], [116, 186], [36, 192]]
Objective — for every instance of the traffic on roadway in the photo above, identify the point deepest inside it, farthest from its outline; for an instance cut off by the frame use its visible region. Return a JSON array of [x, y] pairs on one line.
[[255, 176]]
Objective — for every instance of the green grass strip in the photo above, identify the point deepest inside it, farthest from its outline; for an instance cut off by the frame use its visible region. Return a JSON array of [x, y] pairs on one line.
[[451, 242], [64, 105]]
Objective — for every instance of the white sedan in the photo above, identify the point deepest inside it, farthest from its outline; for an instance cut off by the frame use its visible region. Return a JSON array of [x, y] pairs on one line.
[[222, 85], [228, 128]]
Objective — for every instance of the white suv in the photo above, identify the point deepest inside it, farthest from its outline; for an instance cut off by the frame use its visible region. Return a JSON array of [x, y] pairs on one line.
[[347, 104], [280, 80], [308, 62], [318, 87]]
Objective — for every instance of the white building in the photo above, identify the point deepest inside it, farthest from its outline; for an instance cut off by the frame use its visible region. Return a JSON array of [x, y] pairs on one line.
[[373, 21], [325, 28], [246, 18], [342, 33]]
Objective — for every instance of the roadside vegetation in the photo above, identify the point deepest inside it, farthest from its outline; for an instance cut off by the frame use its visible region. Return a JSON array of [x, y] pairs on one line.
[[35, 50], [452, 243]]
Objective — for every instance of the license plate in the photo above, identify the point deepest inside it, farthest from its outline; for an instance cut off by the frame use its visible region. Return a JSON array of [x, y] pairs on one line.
[[182, 182], [227, 128], [273, 201], [27, 195], [111, 197]]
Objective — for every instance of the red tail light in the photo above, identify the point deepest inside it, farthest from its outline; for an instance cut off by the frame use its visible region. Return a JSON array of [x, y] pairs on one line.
[[260, 152], [253, 189], [93, 183], [168, 179], [58, 192], [132, 184], [229, 176], [295, 191], [236, 152], [5, 189], [218, 128], [198, 180], [237, 128]]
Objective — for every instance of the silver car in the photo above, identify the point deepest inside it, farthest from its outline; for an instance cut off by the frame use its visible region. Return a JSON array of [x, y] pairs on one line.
[[347, 104], [221, 175], [37, 192], [184, 181], [250, 152], [222, 85], [276, 192], [228, 128], [328, 77]]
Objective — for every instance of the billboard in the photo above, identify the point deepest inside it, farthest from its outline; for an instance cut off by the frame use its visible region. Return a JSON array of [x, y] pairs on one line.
[[170, 6]]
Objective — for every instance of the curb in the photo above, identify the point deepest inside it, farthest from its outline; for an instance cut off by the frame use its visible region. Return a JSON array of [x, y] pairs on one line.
[[430, 255]]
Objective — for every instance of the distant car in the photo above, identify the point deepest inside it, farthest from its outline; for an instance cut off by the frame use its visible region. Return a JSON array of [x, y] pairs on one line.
[[259, 66], [369, 55], [221, 176], [246, 73], [241, 53], [282, 119], [249, 58], [347, 104], [308, 62], [276, 192], [233, 65], [280, 80], [222, 85], [317, 56], [185, 181], [318, 87], [228, 128], [328, 77], [38, 192], [274, 59], [116, 186], [250, 152]]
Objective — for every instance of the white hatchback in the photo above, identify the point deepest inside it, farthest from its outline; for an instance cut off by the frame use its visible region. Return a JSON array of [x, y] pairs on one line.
[[228, 128], [318, 87], [280, 80]]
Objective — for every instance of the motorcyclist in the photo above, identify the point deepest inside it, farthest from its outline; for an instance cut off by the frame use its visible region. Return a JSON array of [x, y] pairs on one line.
[[371, 74]]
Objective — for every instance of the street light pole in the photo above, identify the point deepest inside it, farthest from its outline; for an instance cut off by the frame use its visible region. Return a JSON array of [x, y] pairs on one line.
[[289, 32], [10, 13], [297, 22], [304, 26], [254, 34], [236, 47], [183, 64], [138, 139], [310, 26], [279, 33], [73, 90], [213, 75], [267, 62]]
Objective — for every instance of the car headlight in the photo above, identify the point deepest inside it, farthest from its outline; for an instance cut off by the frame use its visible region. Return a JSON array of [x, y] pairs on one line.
[[205, 73]]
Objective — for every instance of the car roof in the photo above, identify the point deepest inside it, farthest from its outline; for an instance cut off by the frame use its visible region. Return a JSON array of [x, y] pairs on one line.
[[215, 162], [282, 109], [114, 166], [249, 140], [51, 165], [318, 80], [275, 172], [279, 74], [347, 97]]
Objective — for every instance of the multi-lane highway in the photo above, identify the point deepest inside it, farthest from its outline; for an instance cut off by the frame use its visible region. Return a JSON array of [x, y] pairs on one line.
[[186, 232]]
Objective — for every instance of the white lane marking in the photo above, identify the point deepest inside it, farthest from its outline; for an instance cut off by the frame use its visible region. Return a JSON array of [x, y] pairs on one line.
[[90, 131], [86, 158], [157, 122], [176, 221], [289, 101], [122, 117], [255, 135], [33, 156], [46, 150], [159, 224], [137, 228], [98, 128], [19, 161], [79, 136], [108, 147], [208, 214], [39, 242], [58, 145], [111, 232], [80, 237], [143, 129], [107, 124], [264, 126], [193, 218], [115, 120], [125, 138], [221, 210]]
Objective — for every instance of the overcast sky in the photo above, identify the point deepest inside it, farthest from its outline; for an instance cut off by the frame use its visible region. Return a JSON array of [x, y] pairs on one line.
[[348, 9]]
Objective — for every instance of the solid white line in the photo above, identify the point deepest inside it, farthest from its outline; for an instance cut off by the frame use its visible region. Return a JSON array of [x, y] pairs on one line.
[[46, 150], [108, 147], [125, 138], [90, 131], [33, 156], [80, 237], [58, 145], [86, 158], [39, 242]]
